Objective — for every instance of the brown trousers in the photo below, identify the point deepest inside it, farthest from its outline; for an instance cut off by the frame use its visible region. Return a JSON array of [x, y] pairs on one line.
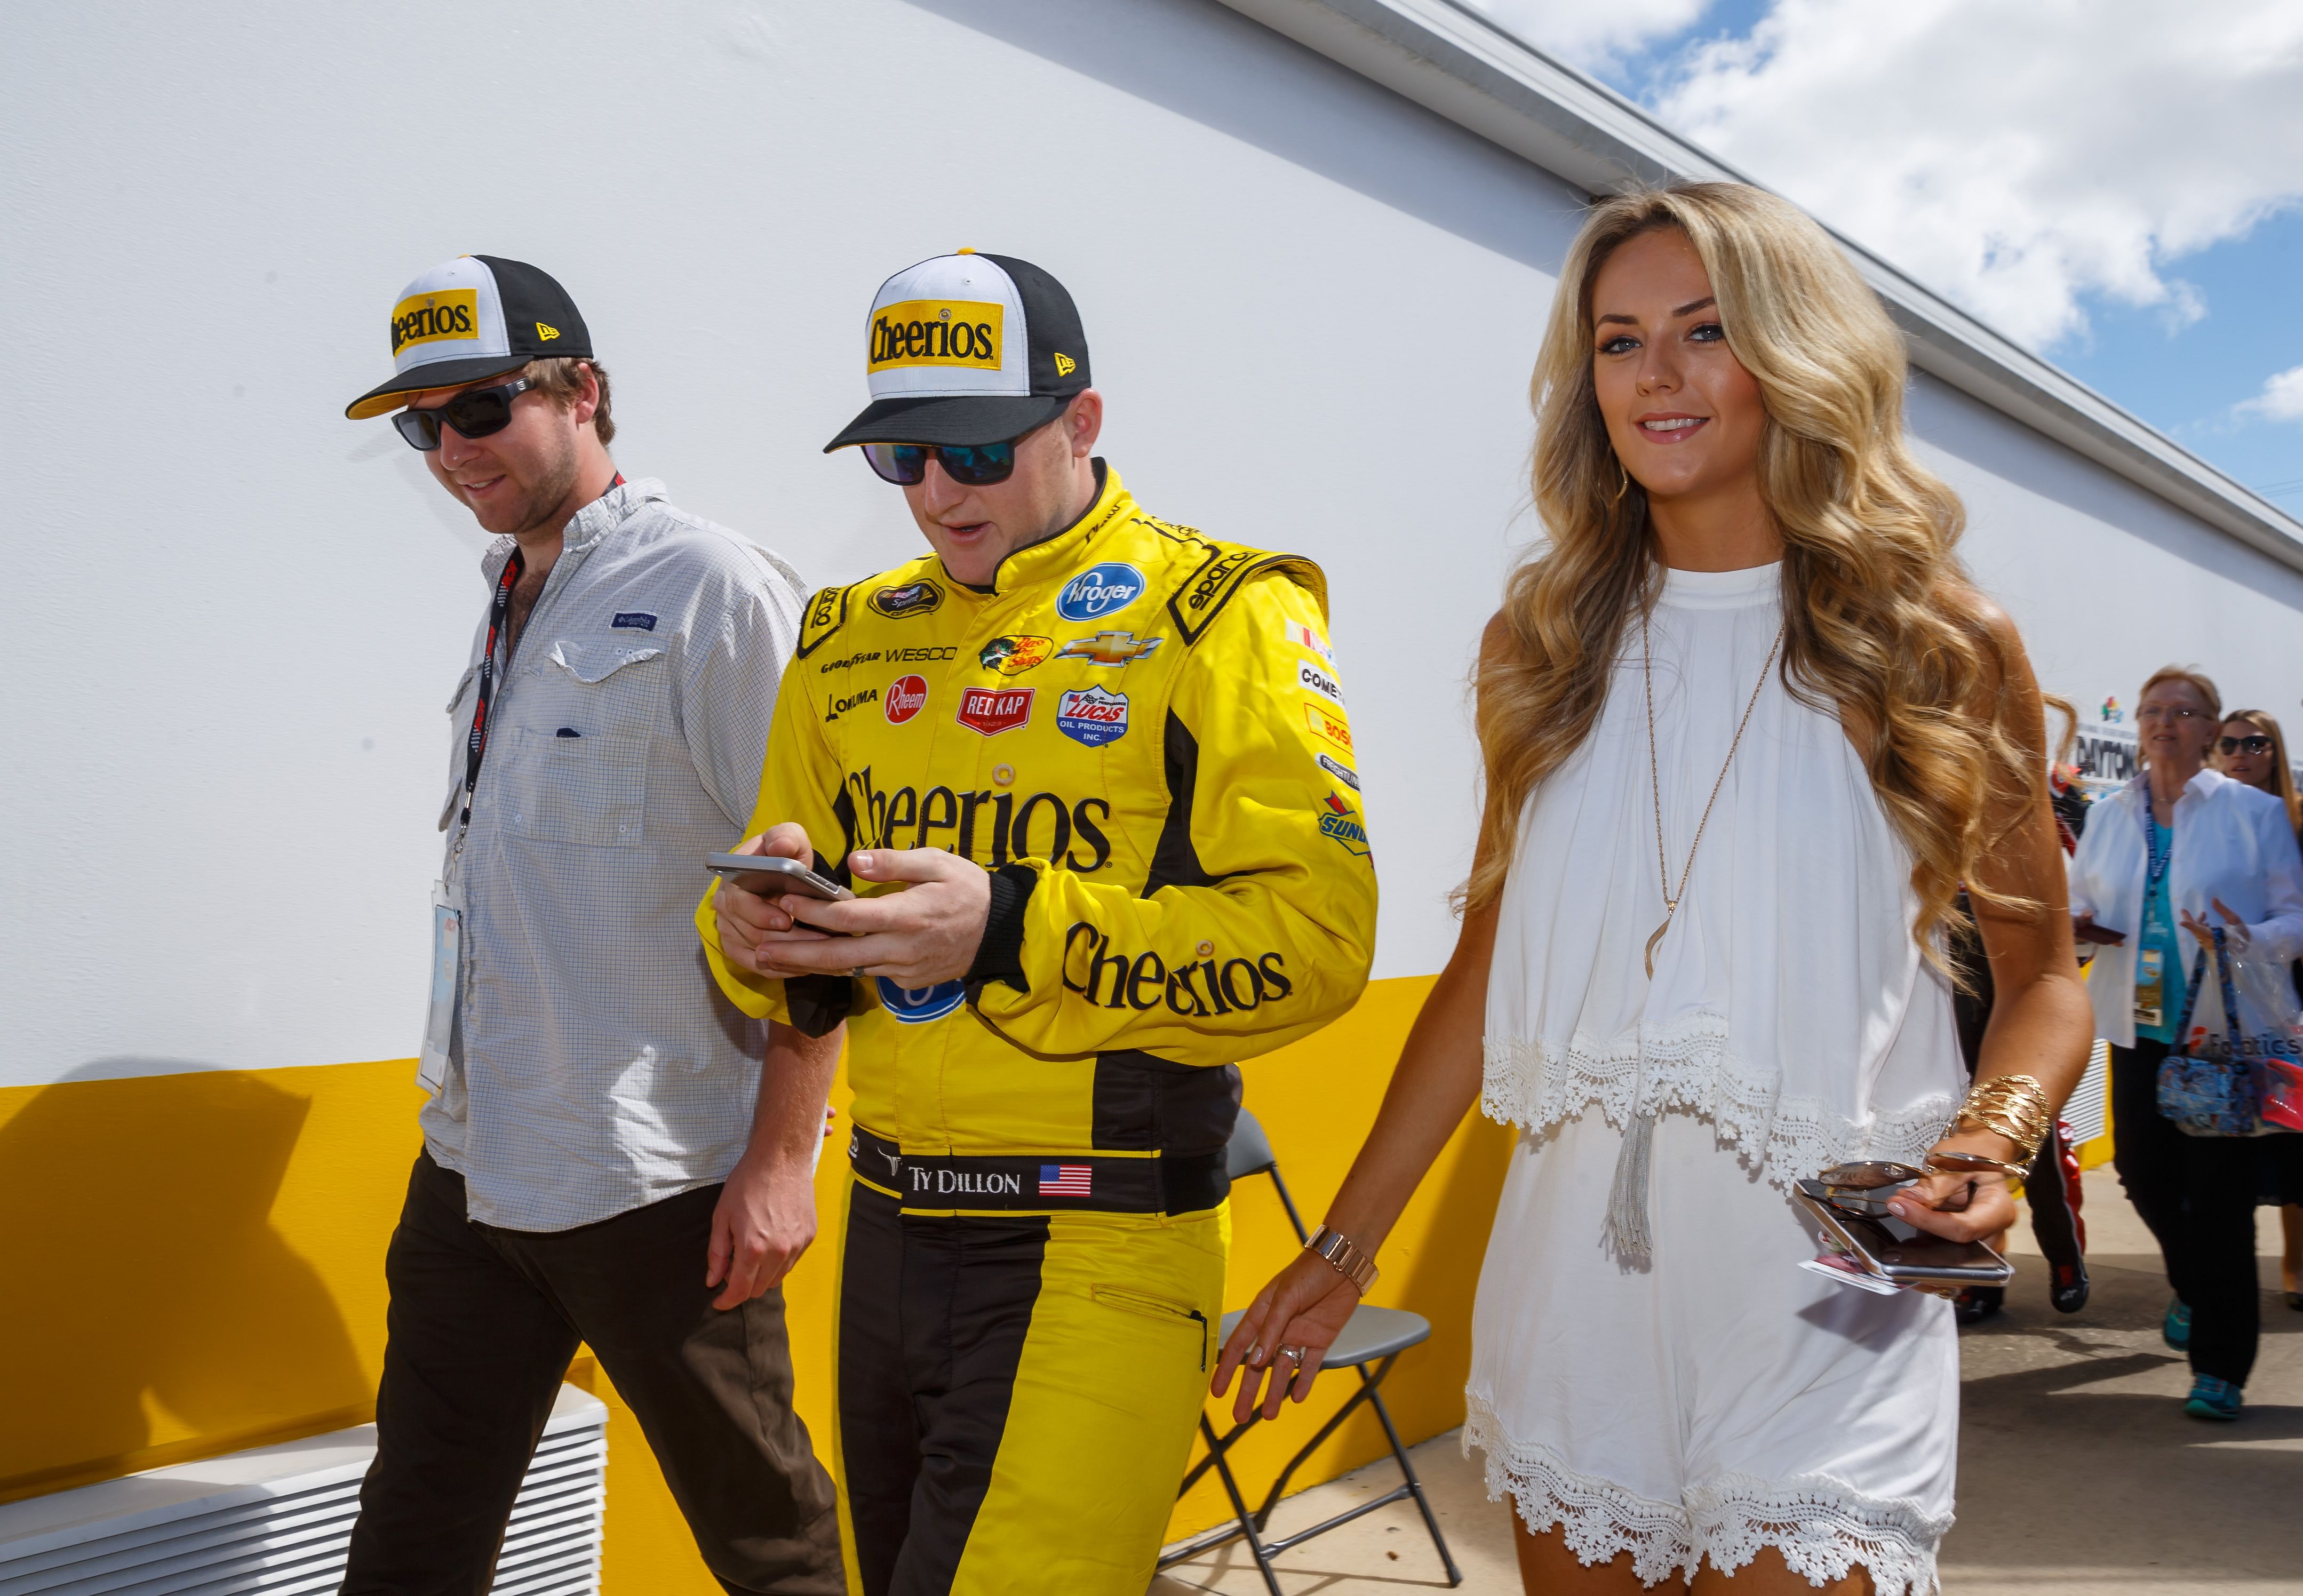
[[483, 1325]]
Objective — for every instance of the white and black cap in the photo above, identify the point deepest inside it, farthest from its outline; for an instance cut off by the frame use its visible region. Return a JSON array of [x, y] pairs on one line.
[[967, 349], [471, 317]]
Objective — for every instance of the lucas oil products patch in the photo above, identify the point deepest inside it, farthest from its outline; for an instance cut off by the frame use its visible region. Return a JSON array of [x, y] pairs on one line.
[[1095, 717]]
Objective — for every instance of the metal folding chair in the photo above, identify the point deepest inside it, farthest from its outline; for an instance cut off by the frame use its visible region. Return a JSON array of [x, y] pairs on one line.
[[1375, 1336]]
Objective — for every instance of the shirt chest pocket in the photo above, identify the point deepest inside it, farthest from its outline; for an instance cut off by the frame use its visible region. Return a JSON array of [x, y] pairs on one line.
[[577, 770]]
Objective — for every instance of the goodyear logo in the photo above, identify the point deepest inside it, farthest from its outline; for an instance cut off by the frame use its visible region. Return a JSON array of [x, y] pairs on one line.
[[937, 333], [430, 317]]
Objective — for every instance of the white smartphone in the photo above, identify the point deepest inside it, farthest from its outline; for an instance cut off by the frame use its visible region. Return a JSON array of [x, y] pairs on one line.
[[772, 877]]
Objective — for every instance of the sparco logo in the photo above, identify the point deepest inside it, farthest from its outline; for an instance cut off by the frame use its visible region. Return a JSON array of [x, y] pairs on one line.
[[428, 318], [906, 697]]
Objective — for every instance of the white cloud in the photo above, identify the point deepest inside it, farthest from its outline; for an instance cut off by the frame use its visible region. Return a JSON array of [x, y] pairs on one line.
[[1592, 33], [2282, 399], [2015, 154]]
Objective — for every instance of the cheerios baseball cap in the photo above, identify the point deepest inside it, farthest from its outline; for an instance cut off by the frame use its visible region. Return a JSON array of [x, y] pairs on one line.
[[471, 317], [967, 349]]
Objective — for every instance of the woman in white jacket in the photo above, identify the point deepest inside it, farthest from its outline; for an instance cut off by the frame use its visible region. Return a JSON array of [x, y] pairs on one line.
[[2180, 843]]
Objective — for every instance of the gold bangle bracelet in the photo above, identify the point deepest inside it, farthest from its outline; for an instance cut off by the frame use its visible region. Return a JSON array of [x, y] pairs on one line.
[[2013, 1106]]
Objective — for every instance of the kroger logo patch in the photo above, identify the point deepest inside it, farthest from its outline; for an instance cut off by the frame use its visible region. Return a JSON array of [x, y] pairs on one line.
[[917, 1005], [1095, 717], [1102, 590]]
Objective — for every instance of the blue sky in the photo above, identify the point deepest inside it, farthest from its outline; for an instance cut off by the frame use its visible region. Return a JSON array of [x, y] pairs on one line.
[[2116, 183]]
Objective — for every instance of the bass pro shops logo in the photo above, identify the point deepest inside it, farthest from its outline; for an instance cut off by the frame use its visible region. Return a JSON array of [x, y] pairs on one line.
[[913, 598], [936, 333], [1012, 657], [430, 317], [1099, 590]]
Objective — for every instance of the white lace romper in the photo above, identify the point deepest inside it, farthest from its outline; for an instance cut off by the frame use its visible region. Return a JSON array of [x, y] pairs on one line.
[[1720, 1399]]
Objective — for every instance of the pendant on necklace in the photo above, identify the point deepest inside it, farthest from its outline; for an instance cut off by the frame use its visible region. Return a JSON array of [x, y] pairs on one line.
[[1652, 941]]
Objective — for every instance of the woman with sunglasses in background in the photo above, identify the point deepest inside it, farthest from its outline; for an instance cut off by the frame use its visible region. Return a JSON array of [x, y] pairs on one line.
[[2254, 750], [2181, 844], [1747, 729]]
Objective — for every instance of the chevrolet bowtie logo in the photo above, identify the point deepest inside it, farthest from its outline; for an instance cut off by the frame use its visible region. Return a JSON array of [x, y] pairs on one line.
[[1110, 648]]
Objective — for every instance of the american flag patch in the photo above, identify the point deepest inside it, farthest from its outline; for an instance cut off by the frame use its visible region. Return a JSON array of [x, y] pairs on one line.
[[1064, 1180]]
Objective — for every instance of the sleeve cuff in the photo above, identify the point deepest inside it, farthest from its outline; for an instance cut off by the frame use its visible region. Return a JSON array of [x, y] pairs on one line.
[[999, 957]]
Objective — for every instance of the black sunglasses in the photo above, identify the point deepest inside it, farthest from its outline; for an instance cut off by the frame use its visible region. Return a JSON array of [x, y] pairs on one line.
[[474, 413], [2257, 744], [971, 465]]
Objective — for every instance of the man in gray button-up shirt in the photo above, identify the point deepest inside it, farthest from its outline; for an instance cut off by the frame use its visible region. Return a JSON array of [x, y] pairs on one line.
[[614, 1153]]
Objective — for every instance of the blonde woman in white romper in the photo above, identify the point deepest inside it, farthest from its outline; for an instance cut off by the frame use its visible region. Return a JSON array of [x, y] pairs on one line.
[[1747, 731]]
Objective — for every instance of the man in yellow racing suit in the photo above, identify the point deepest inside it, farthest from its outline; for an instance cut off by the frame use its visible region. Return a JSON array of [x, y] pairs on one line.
[[1092, 777]]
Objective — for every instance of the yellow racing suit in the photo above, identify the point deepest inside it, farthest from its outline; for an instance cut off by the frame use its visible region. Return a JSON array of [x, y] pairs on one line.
[[1141, 733]]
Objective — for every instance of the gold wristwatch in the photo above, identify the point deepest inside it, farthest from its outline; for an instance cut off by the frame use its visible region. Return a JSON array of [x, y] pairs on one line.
[[1347, 1257]]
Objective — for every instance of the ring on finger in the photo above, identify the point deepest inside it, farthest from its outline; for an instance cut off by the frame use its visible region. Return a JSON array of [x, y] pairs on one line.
[[1293, 1355]]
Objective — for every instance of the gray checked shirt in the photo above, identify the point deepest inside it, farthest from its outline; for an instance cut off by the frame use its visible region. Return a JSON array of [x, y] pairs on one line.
[[595, 1065]]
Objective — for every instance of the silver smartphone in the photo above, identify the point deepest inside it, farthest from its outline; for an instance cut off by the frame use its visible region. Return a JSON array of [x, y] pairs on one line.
[[772, 877], [1918, 1259]]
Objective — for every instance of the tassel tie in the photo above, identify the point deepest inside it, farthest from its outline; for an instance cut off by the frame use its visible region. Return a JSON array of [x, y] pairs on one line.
[[1628, 1230]]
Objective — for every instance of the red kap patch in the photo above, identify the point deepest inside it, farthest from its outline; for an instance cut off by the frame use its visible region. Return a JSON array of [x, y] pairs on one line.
[[906, 696], [994, 710]]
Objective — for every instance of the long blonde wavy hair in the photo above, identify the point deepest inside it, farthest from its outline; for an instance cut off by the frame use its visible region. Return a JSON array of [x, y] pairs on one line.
[[1881, 624]]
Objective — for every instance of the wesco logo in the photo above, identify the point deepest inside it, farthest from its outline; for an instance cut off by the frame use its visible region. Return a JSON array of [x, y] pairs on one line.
[[427, 318], [937, 333]]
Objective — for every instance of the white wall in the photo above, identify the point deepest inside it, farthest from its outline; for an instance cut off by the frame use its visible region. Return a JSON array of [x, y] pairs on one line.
[[1311, 306], [237, 614]]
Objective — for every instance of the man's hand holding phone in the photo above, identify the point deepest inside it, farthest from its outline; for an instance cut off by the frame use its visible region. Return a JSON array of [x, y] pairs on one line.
[[926, 933], [756, 929]]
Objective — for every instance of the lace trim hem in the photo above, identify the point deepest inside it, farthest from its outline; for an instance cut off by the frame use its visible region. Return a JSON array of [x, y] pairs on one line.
[[1528, 1084], [1823, 1528]]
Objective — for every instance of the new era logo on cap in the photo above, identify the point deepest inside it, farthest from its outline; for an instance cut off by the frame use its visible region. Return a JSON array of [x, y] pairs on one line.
[[471, 317], [967, 349]]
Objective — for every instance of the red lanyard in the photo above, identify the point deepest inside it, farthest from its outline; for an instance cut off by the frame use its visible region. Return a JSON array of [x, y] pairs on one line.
[[475, 743]]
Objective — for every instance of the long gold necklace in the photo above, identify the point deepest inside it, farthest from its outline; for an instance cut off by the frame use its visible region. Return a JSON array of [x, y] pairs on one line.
[[1671, 899]]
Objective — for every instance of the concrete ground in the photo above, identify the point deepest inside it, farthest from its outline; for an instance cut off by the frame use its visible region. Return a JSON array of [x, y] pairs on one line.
[[2079, 1472]]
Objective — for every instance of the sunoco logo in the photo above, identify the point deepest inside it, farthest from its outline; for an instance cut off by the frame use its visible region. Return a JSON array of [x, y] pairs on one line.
[[906, 697], [1102, 590], [427, 318]]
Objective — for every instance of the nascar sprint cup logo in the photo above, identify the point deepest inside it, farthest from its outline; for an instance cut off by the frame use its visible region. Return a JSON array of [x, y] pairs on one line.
[[1101, 590]]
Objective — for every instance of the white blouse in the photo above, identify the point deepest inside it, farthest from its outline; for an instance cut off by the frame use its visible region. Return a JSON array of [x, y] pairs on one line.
[[2231, 841], [1790, 1006]]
